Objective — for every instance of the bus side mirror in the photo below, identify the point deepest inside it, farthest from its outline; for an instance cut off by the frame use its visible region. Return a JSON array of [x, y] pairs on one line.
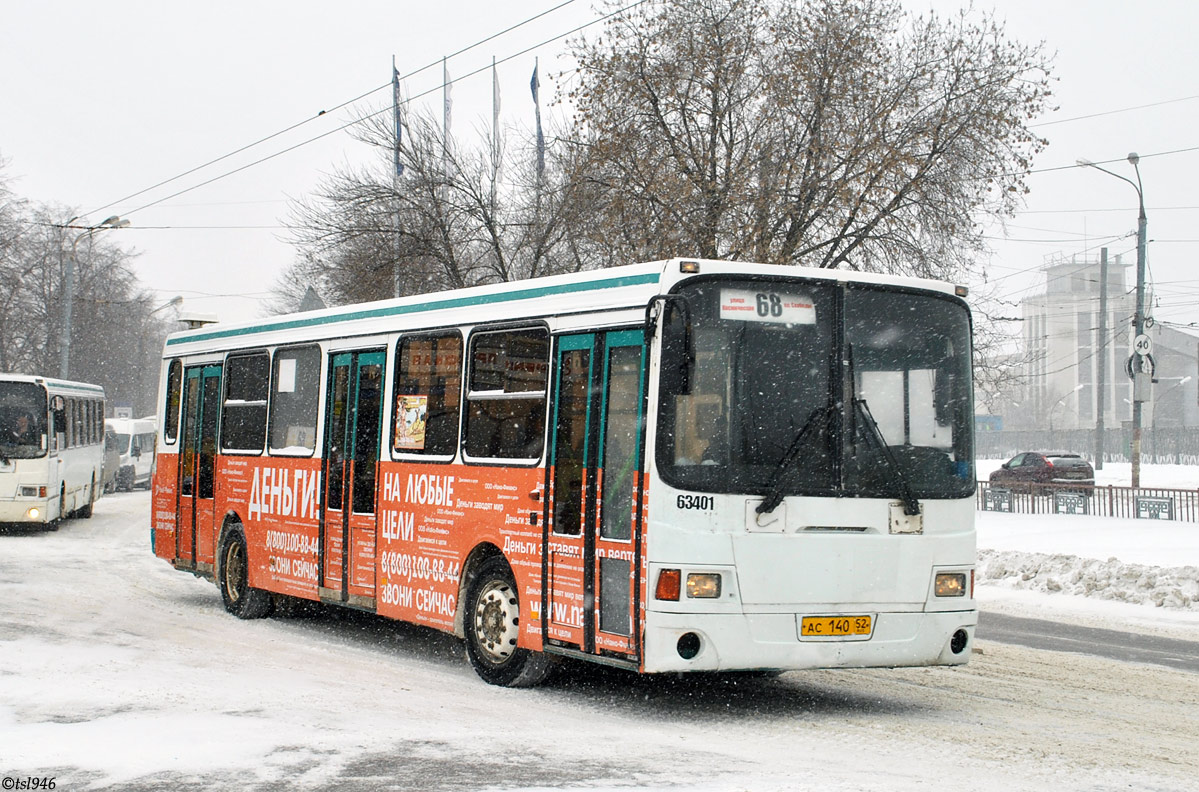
[[678, 344], [58, 403]]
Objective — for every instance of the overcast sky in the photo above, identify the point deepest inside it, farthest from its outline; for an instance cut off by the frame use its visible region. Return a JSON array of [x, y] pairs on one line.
[[102, 101]]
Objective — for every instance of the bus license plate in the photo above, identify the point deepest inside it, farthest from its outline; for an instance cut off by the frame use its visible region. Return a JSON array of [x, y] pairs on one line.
[[816, 627]]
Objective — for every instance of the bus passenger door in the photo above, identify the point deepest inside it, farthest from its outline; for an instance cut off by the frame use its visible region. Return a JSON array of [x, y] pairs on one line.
[[348, 528], [195, 535], [593, 558]]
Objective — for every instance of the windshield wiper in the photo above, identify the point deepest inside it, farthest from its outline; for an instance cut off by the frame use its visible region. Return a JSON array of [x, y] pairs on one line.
[[911, 506], [775, 489]]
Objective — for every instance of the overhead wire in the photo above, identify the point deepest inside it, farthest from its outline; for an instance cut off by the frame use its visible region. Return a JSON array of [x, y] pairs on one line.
[[1113, 112], [324, 112], [360, 120]]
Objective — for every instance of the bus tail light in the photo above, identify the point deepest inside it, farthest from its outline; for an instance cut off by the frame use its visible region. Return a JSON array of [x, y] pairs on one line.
[[703, 585], [950, 584], [669, 584]]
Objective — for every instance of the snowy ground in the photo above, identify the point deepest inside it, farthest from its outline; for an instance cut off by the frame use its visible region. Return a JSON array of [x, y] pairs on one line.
[[1102, 571], [119, 673]]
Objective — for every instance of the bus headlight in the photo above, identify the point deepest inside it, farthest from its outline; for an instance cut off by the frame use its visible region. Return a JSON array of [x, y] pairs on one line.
[[33, 513], [950, 584], [703, 585]]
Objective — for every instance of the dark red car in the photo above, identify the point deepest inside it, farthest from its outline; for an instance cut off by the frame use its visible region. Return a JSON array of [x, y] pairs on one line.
[[1064, 472]]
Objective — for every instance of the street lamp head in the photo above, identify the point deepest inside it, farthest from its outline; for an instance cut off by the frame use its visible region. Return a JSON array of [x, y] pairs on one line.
[[171, 303], [1133, 158], [113, 222], [1082, 162]]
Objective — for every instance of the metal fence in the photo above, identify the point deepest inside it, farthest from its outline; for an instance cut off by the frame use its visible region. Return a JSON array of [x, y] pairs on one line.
[[1161, 445], [1105, 501]]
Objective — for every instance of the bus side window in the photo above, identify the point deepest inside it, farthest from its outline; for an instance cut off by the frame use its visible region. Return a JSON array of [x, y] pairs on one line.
[[174, 399], [243, 418], [293, 412], [505, 416], [427, 405]]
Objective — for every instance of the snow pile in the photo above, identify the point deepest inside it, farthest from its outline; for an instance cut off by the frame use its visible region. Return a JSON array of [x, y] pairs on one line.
[[1113, 579], [1121, 563]]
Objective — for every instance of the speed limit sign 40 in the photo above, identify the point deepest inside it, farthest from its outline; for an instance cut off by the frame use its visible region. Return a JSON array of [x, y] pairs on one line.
[[1142, 344]]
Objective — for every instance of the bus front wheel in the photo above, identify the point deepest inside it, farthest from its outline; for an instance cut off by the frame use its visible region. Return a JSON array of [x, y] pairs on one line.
[[86, 511], [240, 599], [492, 625]]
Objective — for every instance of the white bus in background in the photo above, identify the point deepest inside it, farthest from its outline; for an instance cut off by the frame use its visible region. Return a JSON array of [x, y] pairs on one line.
[[51, 448], [135, 442]]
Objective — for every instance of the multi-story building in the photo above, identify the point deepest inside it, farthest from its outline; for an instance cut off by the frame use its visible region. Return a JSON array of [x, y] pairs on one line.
[[1067, 342]]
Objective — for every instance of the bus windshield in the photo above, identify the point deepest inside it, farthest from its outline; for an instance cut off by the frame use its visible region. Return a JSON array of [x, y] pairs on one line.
[[804, 387], [22, 420]]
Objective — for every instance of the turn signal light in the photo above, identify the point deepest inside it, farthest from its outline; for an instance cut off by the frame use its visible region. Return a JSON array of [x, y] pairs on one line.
[[950, 584], [669, 584], [703, 585]]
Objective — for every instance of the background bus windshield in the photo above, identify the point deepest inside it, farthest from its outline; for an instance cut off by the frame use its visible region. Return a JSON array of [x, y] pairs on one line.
[[819, 388], [22, 420]]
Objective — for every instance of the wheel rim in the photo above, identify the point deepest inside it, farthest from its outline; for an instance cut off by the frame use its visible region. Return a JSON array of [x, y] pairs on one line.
[[497, 620], [235, 570]]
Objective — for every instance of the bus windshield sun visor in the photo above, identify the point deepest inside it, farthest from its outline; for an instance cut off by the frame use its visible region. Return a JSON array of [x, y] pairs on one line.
[[678, 340]]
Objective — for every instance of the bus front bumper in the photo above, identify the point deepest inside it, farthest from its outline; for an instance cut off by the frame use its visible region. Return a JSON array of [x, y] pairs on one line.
[[746, 641], [24, 510]]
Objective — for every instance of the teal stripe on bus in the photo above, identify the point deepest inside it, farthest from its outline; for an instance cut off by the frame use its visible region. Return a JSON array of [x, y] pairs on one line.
[[399, 310]]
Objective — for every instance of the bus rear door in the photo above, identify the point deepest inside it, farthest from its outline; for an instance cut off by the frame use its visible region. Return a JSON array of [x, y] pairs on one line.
[[348, 528], [593, 558], [195, 537]]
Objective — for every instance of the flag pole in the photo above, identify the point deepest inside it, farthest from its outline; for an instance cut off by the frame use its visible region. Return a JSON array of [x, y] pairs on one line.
[[398, 172]]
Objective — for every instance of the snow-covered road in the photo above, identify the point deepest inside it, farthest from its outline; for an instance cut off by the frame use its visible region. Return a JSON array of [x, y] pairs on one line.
[[118, 672]]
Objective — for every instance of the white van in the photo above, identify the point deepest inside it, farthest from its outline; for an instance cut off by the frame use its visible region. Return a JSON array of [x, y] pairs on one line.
[[135, 441]]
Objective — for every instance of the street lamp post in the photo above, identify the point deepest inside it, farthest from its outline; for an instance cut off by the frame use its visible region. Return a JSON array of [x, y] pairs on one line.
[[1158, 399], [68, 289], [1060, 401], [1140, 377], [174, 302]]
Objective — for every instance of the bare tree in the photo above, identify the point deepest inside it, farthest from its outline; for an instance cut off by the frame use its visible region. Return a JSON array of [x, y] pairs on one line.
[[447, 223], [115, 337], [827, 133]]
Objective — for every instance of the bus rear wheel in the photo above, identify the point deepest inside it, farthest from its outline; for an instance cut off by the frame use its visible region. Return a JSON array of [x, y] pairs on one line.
[[492, 625], [240, 599]]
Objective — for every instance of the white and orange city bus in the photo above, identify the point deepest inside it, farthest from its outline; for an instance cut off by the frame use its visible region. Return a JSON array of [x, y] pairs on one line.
[[677, 466]]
